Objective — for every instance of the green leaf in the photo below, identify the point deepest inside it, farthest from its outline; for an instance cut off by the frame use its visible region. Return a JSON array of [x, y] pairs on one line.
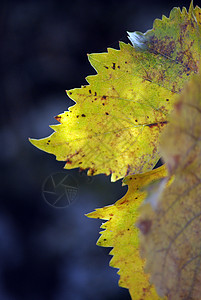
[[172, 242], [114, 126], [121, 234]]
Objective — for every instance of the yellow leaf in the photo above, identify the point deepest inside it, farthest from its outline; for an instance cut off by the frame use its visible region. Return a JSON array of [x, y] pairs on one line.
[[121, 234], [172, 245], [115, 124]]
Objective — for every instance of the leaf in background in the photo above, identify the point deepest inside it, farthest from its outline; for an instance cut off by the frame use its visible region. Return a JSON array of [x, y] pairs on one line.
[[115, 124], [121, 234], [172, 245]]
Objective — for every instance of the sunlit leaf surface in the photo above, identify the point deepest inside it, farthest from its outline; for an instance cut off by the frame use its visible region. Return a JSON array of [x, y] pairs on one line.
[[114, 126]]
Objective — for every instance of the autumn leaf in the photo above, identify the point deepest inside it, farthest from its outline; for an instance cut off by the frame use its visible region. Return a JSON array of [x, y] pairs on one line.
[[121, 234], [114, 126], [177, 37], [172, 243]]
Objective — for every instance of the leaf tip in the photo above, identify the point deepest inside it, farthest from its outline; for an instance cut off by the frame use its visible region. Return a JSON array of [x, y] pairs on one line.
[[34, 142], [137, 39], [191, 7], [92, 215]]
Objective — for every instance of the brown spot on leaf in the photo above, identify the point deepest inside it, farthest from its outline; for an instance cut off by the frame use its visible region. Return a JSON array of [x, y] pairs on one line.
[[173, 89], [107, 113], [144, 226], [92, 171], [106, 67], [161, 124], [68, 161], [58, 118], [103, 97], [123, 202], [113, 66], [83, 115]]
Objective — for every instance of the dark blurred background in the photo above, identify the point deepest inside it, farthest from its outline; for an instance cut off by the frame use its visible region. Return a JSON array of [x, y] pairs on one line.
[[46, 252]]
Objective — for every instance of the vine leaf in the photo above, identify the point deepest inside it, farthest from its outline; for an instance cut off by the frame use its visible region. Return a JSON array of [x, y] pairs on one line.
[[172, 244], [121, 234], [115, 124]]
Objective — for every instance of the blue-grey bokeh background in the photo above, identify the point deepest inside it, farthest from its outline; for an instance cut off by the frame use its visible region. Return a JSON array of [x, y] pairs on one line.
[[48, 253]]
